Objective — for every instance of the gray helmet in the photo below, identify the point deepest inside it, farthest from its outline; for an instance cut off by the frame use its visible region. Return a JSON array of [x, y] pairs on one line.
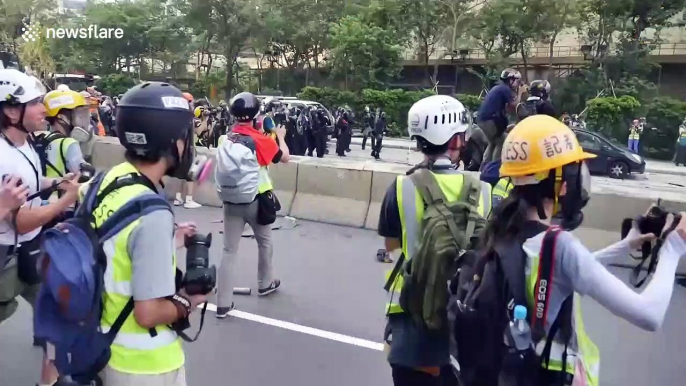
[[510, 73], [540, 88]]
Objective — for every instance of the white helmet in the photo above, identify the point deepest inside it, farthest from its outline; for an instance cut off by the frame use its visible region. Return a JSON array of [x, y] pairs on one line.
[[19, 88], [63, 87], [438, 118]]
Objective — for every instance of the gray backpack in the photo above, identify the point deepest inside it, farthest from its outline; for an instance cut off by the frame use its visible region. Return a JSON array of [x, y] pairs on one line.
[[236, 174]]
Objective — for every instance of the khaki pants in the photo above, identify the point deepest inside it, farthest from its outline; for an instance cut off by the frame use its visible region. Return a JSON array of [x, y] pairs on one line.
[[112, 377], [11, 287], [495, 136]]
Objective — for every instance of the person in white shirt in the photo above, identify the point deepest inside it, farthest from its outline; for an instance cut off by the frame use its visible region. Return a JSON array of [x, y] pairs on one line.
[[22, 112], [13, 194]]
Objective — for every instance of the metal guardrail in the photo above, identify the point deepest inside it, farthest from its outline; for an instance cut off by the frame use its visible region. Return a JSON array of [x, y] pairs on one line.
[[544, 52]]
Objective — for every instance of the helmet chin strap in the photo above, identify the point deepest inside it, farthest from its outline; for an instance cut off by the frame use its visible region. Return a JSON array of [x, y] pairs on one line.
[[20, 124]]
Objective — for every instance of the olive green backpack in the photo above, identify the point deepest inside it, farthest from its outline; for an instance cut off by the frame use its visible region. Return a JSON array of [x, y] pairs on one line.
[[449, 229]]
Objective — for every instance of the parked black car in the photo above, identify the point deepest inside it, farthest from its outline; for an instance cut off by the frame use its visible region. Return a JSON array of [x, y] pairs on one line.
[[613, 160]]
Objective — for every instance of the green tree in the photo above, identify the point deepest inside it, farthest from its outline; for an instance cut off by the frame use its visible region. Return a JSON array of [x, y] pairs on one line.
[[427, 20], [663, 118], [365, 52], [232, 22], [115, 84]]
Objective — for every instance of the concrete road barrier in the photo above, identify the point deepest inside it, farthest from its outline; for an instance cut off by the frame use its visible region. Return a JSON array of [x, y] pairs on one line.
[[383, 176], [348, 192], [332, 192], [285, 180]]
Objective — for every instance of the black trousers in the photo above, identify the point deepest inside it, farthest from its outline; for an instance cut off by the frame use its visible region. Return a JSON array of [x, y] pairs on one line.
[[368, 133], [311, 142], [377, 141], [343, 141], [321, 138], [405, 376]]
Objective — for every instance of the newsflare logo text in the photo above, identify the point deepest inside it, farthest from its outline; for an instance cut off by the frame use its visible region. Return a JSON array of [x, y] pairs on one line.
[[31, 32]]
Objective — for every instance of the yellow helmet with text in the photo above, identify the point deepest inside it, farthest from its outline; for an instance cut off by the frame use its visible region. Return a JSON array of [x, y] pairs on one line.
[[57, 100], [543, 153], [538, 144]]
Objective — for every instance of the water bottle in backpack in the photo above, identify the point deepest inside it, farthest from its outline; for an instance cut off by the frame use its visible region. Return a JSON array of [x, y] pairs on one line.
[[519, 330]]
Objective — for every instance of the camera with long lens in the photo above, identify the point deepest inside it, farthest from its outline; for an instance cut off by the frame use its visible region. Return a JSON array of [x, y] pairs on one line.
[[653, 222], [200, 277]]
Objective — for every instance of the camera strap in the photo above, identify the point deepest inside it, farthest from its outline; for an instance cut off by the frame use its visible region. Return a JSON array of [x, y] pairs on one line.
[[185, 337], [652, 256]]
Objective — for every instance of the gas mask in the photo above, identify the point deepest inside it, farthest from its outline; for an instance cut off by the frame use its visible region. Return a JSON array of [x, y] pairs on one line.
[[578, 180], [80, 124]]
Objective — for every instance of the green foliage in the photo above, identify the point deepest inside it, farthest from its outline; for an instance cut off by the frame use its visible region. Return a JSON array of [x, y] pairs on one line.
[[574, 91], [114, 84], [612, 116], [663, 119], [395, 102], [366, 52], [471, 102], [200, 89]]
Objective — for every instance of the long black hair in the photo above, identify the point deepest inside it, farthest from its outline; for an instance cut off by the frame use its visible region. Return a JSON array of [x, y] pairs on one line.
[[511, 215]]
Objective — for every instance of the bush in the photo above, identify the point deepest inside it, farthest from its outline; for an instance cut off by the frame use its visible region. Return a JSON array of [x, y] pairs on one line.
[[115, 84], [396, 103], [471, 102], [664, 116], [612, 116]]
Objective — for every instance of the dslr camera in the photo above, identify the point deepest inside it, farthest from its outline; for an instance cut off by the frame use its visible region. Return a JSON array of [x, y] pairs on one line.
[[200, 278], [653, 222]]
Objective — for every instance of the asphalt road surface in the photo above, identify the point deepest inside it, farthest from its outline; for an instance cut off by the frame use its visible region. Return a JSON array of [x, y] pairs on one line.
[[324, 326]]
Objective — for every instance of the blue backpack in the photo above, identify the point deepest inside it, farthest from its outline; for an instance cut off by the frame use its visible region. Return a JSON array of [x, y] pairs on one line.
[[69, 305], [490, 172]]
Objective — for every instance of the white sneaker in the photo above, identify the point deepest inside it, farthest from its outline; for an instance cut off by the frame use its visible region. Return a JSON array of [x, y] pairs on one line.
[[178, 202], [190, 204]]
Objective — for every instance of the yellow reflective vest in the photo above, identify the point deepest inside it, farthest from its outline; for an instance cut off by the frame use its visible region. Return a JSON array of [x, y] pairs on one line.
[[411, 208], [56, 153], [635, 132], [501, 190], [583, 360], [134, 350]]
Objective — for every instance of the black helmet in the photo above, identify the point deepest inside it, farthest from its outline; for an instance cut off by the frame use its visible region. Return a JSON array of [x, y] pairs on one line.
[[245, 107], [151, 117], [540, 88]]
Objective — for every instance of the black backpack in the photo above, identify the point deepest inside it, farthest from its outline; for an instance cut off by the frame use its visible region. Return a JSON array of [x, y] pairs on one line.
[[483, 295], [41, 143]]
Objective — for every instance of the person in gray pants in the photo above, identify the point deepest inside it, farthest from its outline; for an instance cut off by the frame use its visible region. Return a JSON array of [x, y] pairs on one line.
[[267, 151]]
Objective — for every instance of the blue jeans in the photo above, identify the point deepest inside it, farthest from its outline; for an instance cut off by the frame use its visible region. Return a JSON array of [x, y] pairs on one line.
[[633, 145]]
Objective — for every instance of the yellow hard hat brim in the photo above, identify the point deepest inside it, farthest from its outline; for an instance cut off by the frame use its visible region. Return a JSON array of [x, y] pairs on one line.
[[588, 155]]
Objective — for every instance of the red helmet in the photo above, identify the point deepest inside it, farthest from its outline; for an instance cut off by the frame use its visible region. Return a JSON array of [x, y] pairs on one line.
[[188, 96]]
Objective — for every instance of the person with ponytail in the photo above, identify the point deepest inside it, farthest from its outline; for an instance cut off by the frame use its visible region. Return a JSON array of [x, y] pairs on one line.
[[551, 187]]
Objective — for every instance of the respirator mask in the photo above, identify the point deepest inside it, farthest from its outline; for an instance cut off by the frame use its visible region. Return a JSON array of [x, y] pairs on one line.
[[578, 181], [80, 124]]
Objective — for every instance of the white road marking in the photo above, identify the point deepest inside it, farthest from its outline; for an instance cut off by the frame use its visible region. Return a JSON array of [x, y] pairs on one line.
[[302, 329]]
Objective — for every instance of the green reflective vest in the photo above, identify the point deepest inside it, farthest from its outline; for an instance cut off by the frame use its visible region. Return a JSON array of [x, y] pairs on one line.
[[583, 357], [134, 350], [411, 208]]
